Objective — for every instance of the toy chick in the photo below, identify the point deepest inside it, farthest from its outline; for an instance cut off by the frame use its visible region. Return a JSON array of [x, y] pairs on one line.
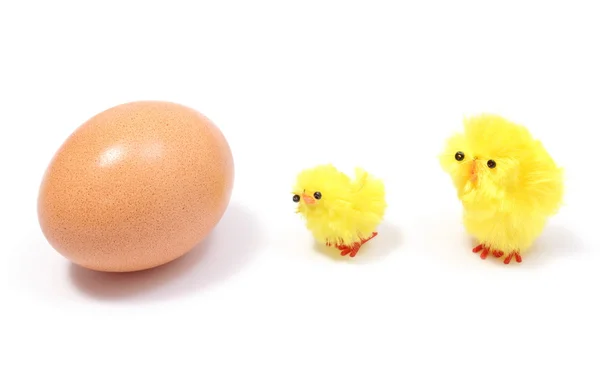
[[507, 182], [340, 212]]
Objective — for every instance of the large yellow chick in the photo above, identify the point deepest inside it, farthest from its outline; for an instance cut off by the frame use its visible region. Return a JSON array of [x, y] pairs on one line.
[[340, 212], [507, 182]]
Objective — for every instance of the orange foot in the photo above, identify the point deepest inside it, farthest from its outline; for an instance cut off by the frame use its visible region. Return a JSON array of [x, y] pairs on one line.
[[485, 250], [354, 248], [510, 256]]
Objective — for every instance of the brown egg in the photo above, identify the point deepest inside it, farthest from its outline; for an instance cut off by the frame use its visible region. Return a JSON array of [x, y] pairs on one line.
[[135, 187]]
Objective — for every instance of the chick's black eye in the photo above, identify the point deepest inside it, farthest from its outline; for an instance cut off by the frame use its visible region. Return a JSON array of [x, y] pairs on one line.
[[459, 156], [296, 198], [317, 195], [491, 164]]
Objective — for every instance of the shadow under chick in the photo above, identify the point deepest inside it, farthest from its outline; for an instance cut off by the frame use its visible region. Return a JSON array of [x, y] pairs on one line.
[[387, 240]]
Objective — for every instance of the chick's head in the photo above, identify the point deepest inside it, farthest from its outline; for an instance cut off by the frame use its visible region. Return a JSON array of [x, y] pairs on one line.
[[487, 157], [319, 189]]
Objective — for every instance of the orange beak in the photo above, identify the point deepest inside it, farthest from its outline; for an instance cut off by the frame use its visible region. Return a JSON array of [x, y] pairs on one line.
[[474, 171], [308, 199]]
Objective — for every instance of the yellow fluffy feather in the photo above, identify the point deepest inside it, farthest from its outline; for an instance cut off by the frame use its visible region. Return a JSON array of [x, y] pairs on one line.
[[339, 211], [507, 182]]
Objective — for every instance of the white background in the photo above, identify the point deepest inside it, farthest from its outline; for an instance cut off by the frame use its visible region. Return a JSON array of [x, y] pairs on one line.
[[293, 84]]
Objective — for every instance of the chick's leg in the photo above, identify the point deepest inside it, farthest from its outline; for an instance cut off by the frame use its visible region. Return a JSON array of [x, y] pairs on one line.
[[347, 249], [513, 254], [484, 249], [498, 253], [363, 241], [354, 248]]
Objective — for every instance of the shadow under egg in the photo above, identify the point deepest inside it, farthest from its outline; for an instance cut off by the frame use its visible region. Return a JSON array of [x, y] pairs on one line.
[[230, 247]]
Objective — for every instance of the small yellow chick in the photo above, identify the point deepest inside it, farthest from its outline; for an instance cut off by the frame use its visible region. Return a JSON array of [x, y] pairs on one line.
[[507, 182], [339, 211]]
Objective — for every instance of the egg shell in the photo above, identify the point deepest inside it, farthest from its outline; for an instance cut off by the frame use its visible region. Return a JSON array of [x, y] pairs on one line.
[[136, 186]]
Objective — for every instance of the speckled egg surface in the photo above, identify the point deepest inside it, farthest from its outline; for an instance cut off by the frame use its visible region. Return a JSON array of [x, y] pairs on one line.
[[136, 186]]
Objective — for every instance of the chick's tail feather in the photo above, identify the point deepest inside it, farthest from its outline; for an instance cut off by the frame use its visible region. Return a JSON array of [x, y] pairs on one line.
[[371, 192], [366, 183]]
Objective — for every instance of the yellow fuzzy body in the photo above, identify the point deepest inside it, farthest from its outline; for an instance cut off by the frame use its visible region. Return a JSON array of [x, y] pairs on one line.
[[507, 206], [348, 211]]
